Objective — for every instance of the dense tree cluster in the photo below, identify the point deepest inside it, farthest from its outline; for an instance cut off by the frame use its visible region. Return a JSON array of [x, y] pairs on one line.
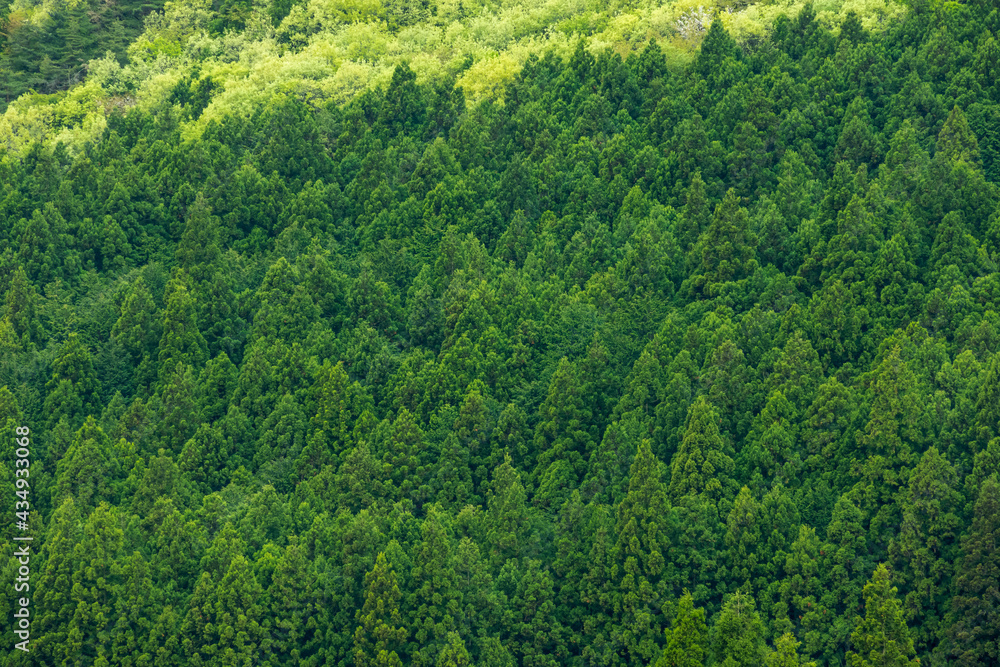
[[636, 366], [47, 48]]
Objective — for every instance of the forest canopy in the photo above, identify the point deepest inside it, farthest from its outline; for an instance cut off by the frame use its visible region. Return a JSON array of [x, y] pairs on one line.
[[653, 350]]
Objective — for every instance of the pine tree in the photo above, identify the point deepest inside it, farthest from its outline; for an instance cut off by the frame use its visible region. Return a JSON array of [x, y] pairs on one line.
[[454, 653], [924, 550], [436, 602], [198, 251], [975, 614], [74, 391], [181, 342], [506, 523], [95, 587], [562, 441], [404, 448], [83, 471], [727, 248], [701, 465], [988, 402], [687, 636], [379, 632], [956, 141], [21, 307], [695, 216], [54, 606], [897, 422], [786, 653], [640, 555], [881, 638], [136, 327], [738, 635]]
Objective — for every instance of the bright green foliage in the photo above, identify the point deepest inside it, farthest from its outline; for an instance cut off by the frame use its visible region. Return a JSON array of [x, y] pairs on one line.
[[727, 247], [536, 634], [20, 307], [738, 634], [564, 309], [83, 471], [896, 424], [379, 632], [562, 441], [54, 606], [924, 550], [181, 342], [987, 410], [640, 554], [198, 251], [687, 636], [507, 516], [436, 602], [334, 419], [956, 141], [74, 390], [454, 654], [881, 638], [786, 653], [137, 325], [403, 449], [95, 584], [701, 465]]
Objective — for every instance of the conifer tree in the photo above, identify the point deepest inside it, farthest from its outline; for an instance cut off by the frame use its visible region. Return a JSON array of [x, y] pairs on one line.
[[74, 391], [136, 327], [181, 342], [786, 654], [454, 653], [83, 471], [53, 605], [198, 251], [738, 635], [436, 602], [506, 523], [956, 141], [973, 633], [562, 441], [380, 630], [727, 247], [95, 587], [701, 465], [687, 636], [924, 550], [640, 555], [988, 402], [21, 307], [881, 638]]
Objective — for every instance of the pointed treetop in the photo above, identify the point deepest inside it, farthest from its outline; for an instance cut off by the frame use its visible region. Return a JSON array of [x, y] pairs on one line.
[[956, 140]]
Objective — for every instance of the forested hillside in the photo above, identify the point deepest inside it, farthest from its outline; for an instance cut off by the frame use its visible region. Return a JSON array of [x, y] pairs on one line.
[[634, 361]]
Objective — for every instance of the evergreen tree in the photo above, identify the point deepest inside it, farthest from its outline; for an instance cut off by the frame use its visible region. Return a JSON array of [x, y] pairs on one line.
[[640, 555], [701, 465], [436, 602], [379, 632], [74, 391], [687, 636], [738, 635], [975, 612], [727, 248], [956, 141], [881, 638], [506, 523], [181, 342]]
